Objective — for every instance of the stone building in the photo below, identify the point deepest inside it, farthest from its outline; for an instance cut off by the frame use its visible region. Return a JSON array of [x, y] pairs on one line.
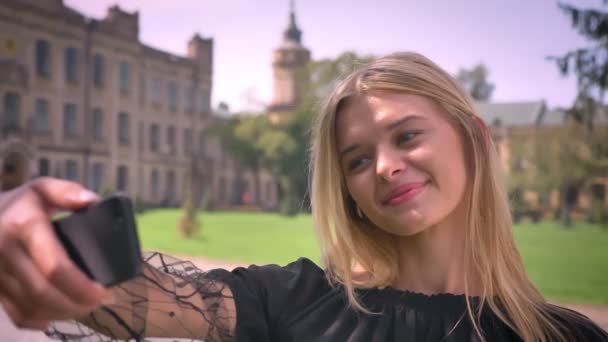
[[84, 99]]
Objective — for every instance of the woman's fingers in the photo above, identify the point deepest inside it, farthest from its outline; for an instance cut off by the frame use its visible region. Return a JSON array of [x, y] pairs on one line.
[[51, 260], [27, 222], [38, 281], [19, 319], [36, 296], [57, 193]]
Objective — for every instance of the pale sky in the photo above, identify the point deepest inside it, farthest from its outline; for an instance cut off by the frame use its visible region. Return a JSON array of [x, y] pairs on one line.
[[512, 37]]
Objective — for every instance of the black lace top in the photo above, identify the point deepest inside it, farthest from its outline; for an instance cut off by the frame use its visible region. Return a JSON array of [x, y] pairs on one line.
[[291, 303]]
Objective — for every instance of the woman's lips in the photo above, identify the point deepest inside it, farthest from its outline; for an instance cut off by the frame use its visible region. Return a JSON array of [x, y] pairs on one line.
[[403, 193]]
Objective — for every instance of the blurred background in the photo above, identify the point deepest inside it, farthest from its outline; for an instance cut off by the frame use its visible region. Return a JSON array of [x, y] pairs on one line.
[[200, 111]]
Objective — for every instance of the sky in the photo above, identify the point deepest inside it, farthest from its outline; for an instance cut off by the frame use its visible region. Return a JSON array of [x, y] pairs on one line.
[[511, 37]]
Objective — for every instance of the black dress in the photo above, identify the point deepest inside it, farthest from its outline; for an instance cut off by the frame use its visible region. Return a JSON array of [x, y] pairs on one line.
[[296, 303]]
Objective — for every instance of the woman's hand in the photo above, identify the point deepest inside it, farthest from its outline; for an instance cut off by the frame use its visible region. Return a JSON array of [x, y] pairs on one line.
[[38, 281]]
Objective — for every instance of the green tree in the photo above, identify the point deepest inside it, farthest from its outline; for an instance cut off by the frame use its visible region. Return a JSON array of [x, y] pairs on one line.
[[189, 223], [283, 147], [584, 150], [475, 82], [239, 136], [285, 150], [520, 176]]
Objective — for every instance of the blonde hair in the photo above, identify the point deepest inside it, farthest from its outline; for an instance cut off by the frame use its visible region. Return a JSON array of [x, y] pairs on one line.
[[490, 252]]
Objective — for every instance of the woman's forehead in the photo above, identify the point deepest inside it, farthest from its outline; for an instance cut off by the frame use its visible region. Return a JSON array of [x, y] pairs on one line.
[[381, 108]]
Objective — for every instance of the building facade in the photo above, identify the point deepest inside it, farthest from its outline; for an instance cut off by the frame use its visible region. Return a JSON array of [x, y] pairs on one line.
[[83, 99]]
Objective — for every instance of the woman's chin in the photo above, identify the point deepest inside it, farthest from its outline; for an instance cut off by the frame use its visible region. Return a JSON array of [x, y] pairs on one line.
[[408, 223]]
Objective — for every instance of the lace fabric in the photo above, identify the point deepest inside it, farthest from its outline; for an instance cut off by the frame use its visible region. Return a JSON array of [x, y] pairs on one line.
[[170, 298]]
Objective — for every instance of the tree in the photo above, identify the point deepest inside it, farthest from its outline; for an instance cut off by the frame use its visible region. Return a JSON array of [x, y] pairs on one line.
[[189, 223], [239, 136], [584, 146], [248, 132], [283, 147], [521, 176], [475, 82]]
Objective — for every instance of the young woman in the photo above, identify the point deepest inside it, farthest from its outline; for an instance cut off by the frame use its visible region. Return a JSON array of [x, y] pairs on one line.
[[412, 220]]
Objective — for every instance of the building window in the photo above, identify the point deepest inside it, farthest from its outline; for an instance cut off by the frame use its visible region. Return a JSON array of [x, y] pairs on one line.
[[122, 180], [189, 100], [71, 170], [173, 96], [98, 70], [71, 64], [155, 92], [187, 142], [269, 190], [170, 187], [204, 101], [44, 167], [123, 128], [154, 184], [141, 139], [12, 104], [154, 138], [123, 77], [202, 143], [41, 116], [43, 58], [171, 138], [97, 177], [97, 124], [222, 190], [70, 121]]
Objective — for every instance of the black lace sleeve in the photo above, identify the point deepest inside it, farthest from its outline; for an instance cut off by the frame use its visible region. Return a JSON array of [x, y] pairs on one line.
[[170, 298]]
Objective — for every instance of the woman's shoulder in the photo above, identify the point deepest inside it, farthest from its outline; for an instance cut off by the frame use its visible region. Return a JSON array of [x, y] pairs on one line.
[[298, 270], [301, 276], [272, 292], [577, 325]]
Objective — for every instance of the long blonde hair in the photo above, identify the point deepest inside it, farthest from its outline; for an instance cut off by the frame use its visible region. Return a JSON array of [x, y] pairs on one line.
[[490, 251]]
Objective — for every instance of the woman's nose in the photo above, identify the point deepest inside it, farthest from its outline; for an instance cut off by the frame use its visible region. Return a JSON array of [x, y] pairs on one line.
[[389, 163]]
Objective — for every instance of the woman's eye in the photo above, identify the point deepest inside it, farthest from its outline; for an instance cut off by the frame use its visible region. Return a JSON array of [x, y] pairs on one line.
[[357, 162], [405, 137]]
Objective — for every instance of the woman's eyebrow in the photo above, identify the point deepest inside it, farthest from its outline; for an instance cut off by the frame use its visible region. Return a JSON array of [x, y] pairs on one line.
[[389, 127], [404, 120], [348, 150]]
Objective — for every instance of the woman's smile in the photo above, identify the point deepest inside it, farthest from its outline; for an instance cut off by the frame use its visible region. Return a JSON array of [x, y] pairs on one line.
[[404, 193]]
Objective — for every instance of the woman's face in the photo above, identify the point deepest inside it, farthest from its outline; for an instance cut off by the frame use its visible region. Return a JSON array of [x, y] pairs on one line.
[[402, 161]]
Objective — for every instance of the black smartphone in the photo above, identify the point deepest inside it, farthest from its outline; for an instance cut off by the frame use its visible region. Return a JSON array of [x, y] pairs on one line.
[[102, 240]]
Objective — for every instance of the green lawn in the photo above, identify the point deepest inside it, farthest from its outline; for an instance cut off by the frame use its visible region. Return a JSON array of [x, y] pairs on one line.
[[568, 265], [244, 237]]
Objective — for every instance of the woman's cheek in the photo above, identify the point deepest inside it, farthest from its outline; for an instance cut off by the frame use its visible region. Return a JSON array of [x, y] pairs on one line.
[[361, 189]]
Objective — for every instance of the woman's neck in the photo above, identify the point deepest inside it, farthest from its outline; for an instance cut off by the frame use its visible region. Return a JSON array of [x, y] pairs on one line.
[[432, 261]]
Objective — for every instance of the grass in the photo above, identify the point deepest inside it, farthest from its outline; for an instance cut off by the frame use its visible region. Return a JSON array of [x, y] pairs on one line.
[[567, 265], [243, 237]]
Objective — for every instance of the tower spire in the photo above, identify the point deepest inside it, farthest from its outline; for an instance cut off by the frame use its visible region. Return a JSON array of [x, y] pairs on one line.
[[292, 33]]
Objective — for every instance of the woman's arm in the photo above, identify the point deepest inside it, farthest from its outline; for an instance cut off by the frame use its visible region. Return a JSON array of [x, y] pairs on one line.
[[40, 284], [171, 298]]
